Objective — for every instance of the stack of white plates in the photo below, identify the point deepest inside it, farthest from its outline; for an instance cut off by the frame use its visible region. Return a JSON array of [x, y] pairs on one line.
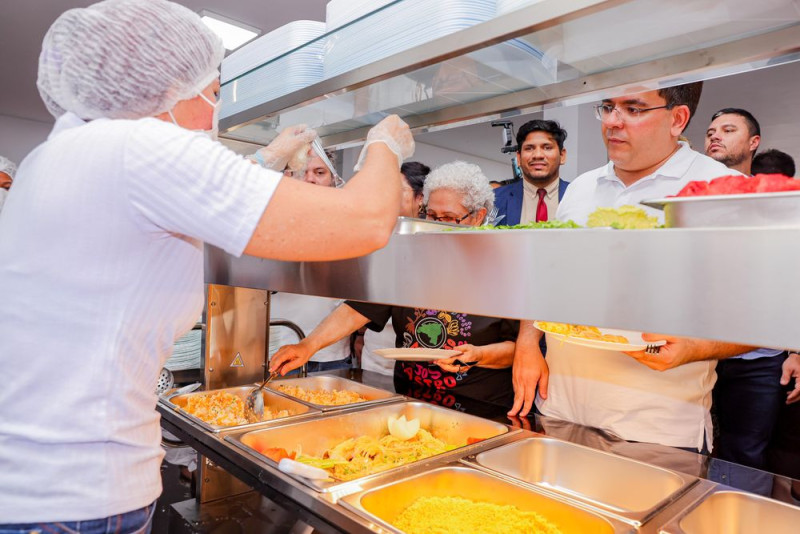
[[340, 12], [398, 27], [186, 352], [292, 70], [504, 6]]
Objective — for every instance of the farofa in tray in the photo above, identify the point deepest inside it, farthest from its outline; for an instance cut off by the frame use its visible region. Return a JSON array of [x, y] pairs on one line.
[[324, 397], [456, 515], [224, 409]]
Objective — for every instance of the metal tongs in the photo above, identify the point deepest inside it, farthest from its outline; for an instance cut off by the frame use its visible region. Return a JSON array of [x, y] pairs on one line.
[[254, 403], [316, 146]]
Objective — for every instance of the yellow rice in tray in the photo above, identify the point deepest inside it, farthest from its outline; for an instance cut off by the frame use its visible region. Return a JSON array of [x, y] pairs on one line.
[[454, 515]]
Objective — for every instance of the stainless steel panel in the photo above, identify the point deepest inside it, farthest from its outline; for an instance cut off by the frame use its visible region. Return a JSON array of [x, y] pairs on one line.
[[733, 512], [314, 437], [382, 505], [273, 401], [633, 490], [690, 282], [755, 209], [329, 383], [236, 336]]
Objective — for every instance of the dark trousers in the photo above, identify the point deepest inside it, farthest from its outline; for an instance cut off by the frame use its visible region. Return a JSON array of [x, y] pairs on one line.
[[747, 399]]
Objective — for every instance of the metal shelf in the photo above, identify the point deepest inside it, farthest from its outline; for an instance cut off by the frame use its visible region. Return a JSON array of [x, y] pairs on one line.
[[588, 48], [730, 284]]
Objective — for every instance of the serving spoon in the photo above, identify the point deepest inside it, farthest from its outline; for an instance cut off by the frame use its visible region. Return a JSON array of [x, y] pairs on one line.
[[255, 399]]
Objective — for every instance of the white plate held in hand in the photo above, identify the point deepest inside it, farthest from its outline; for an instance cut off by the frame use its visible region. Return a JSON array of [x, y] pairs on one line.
[[635, 341], [417, 354]]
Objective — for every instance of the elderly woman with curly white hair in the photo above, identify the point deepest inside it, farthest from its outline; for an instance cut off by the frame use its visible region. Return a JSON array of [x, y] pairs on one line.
[[457, 193]]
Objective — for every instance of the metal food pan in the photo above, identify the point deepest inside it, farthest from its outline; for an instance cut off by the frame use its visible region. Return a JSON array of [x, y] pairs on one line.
[[752, 209], [314, 437], [383, 504], [410, 225], [734, 512], [272, 400], [630, 489], [329, 383]]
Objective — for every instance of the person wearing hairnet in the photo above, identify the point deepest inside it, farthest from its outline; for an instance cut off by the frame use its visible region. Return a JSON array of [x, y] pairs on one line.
[[7, 171], [101, 253]]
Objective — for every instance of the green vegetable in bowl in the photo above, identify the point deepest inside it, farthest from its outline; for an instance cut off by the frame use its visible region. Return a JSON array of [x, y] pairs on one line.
[[526, 226]]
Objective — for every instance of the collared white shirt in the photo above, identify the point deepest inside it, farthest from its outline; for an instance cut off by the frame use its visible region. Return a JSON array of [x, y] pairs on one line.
[[101, 270], [611, 390], [530, 201], [602, 188]]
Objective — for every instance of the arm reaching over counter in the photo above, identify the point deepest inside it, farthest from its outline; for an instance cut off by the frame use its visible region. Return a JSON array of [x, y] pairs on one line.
[[493, 356], [529, 370], [341, 323], [683, 350]]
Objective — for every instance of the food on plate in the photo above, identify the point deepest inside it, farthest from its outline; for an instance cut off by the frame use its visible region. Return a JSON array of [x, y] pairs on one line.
[[222, 408], [622, 218], [364, 455], [576, 330], [331, 397], [735, 185], [445, 515]]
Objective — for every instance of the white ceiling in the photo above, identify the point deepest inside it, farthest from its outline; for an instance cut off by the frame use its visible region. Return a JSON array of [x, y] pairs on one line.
[[23, 24]]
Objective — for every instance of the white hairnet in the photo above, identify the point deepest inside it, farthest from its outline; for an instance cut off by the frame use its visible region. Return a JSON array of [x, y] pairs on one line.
[[126, 59], [7, 166]]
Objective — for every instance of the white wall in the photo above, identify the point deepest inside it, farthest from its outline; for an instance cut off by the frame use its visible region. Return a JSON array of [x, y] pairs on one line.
[[769, 94], [20, 136]]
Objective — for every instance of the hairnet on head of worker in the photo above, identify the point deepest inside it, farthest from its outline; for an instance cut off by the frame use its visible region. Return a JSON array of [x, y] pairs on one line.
[[7, 166], [126, 59]]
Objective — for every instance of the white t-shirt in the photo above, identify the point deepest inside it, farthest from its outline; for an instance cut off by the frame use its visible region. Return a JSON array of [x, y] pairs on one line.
[[307, 312], [385, 339], [101, 270], [611, 390]]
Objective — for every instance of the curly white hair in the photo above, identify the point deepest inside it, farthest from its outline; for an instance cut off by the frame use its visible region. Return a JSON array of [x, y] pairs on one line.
[[465, 178]]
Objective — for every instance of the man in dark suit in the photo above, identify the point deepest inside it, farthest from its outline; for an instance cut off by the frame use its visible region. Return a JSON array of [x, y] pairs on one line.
[[540, 154]]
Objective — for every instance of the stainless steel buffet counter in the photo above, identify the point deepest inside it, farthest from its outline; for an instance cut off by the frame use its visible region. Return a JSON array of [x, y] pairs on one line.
[[550, 466]]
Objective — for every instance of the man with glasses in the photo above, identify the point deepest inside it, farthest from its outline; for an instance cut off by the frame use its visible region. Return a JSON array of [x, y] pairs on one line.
[[540, 155], [656, 398]]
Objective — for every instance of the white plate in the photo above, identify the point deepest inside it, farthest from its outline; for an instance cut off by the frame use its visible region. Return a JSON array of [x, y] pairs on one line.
[[635, 341], [416, 354]]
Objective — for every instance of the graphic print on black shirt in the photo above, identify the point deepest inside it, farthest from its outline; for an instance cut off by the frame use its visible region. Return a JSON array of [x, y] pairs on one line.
[[437, 329]]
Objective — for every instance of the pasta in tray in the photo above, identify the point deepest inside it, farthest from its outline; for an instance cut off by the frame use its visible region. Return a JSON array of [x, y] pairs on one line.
[[225, 409], [332, 397], [445, 515], [576, 330], [365, 455]]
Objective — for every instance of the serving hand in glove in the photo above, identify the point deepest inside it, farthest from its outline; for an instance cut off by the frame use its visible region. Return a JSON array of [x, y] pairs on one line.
[[791, 369], [492, 356], [392, 132], [289, 148], [681, 350]]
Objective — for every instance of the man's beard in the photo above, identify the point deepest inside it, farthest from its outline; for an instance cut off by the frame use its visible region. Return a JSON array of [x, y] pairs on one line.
[[729, 160], [540, 180]]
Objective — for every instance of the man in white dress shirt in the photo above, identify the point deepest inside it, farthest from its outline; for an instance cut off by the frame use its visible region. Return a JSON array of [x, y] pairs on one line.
[[657, 398]]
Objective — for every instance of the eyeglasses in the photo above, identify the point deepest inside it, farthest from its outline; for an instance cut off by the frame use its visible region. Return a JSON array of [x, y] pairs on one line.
[[625, 113], [446, 218]]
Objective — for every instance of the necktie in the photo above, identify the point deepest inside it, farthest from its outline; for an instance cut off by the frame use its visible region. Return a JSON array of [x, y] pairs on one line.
[[541, 207]]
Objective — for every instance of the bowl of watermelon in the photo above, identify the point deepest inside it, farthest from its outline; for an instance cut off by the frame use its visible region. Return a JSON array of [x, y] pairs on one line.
[[733, 201]]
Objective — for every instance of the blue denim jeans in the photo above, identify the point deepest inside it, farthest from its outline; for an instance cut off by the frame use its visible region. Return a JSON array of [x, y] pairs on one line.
[[135, 522]]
